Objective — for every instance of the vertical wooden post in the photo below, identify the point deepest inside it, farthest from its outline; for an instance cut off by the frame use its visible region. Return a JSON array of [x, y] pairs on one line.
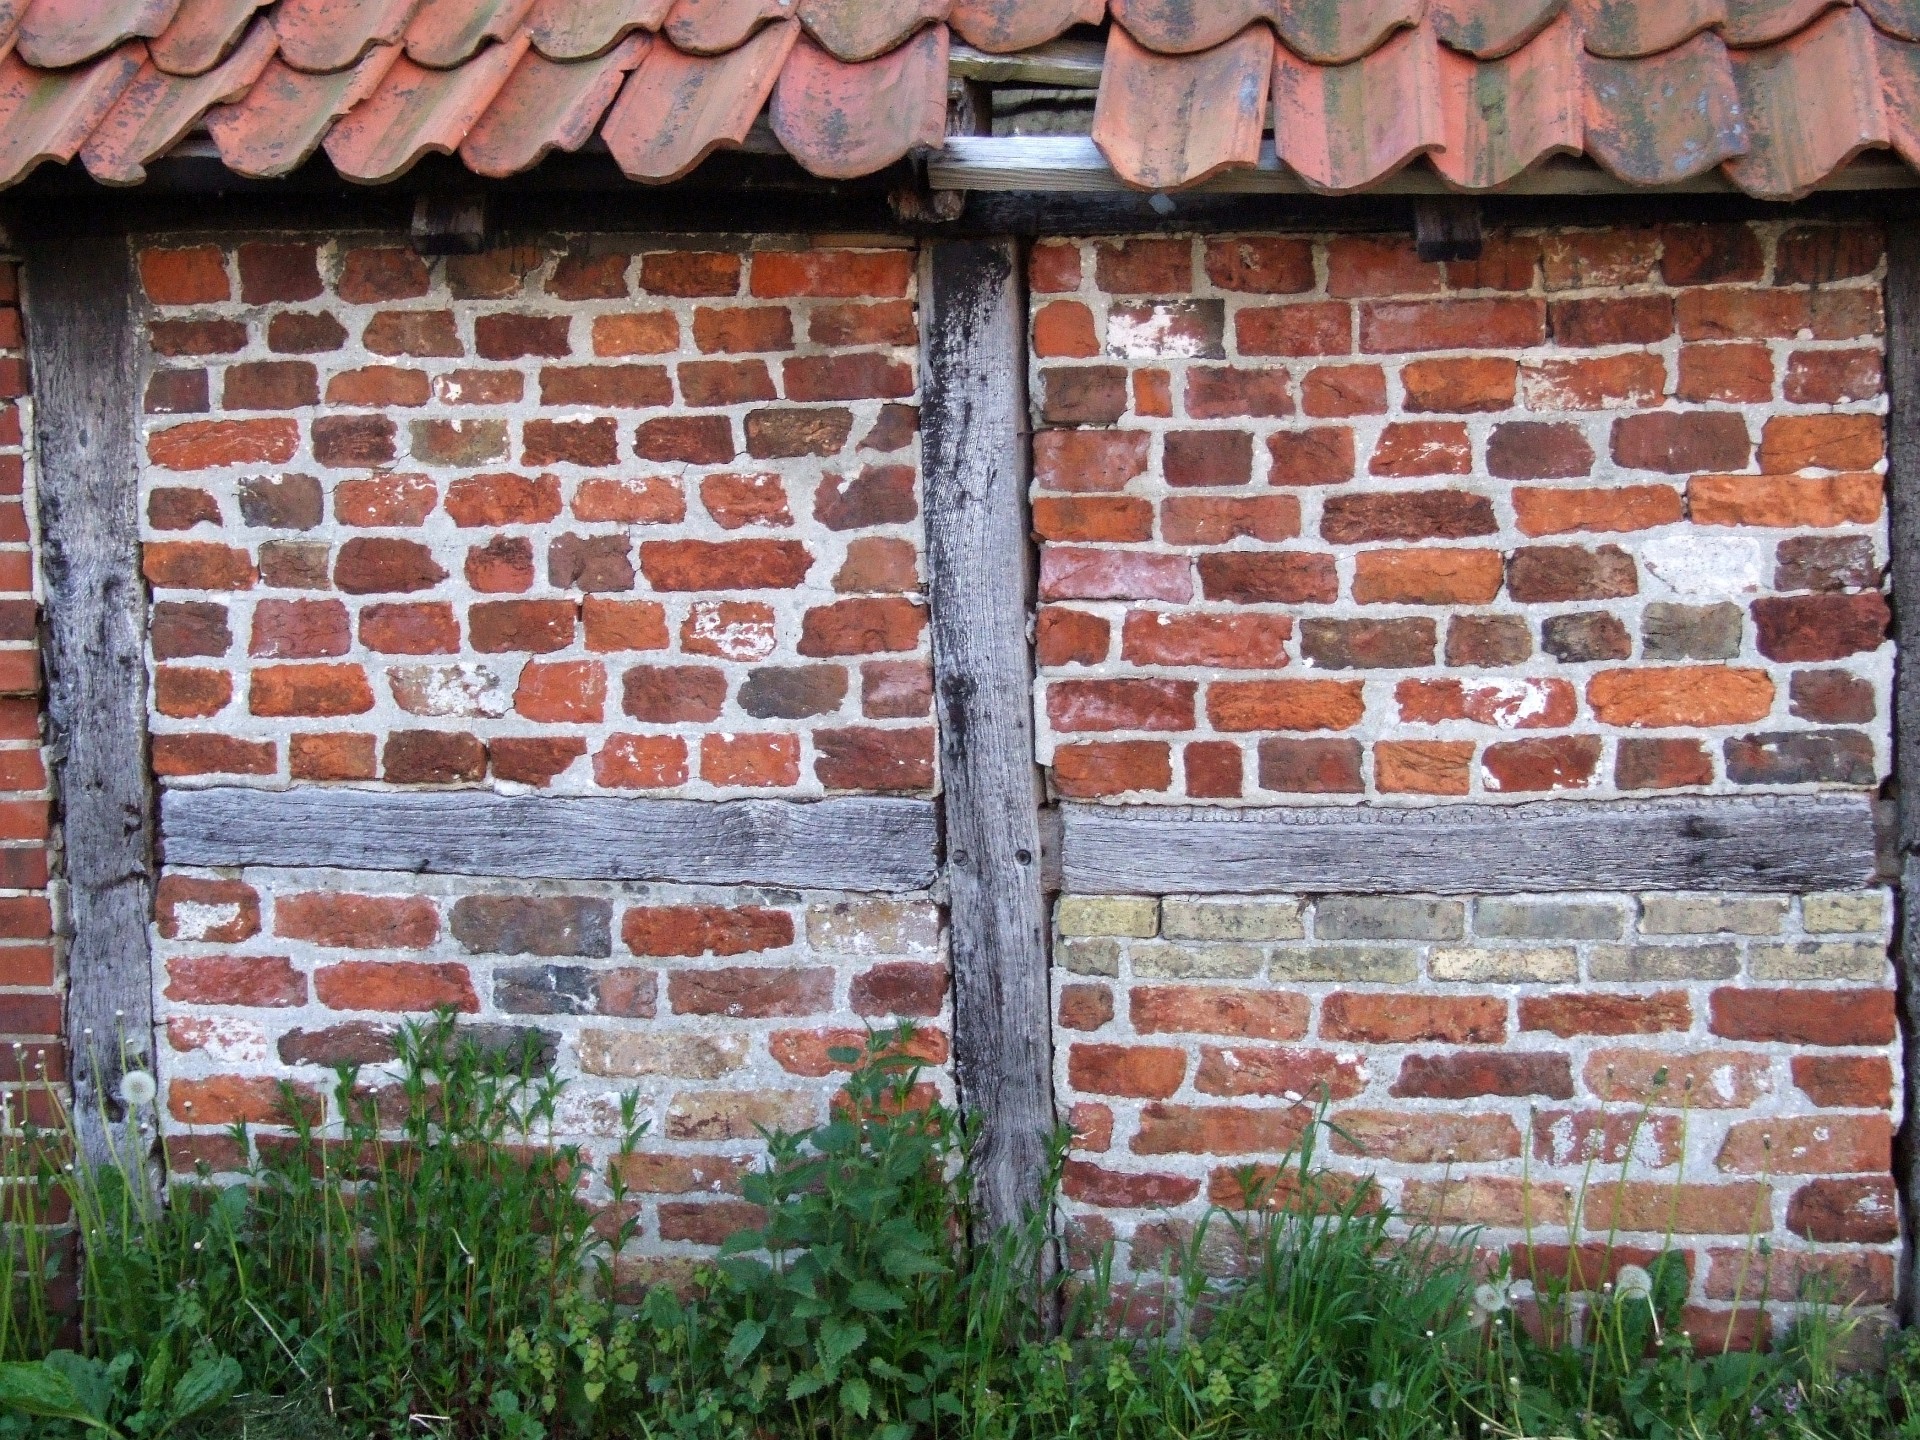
[[84, 356], [974, 455], [1903, 450]]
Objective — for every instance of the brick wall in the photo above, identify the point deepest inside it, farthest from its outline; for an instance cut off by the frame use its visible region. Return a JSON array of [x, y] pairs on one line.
[[1598, 512], [570, 518], [30, 983], [561, 518]]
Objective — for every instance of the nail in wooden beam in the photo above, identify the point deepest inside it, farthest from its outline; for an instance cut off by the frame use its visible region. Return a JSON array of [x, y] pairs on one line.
[[82, 346], [974, 457]]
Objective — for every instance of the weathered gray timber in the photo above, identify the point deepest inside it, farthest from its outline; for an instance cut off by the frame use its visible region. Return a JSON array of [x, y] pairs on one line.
[[1793, 842], [1903, 453], [868, 843], [974, 457], [81, 346]]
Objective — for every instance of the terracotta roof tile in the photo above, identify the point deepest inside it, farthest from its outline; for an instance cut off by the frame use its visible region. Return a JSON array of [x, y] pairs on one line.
[[841, 120], [56, 33], [284, 117], [1160, 119], [548, 105], [1654, 91], [676, 109], [155, 110], [583, 29], [416, 110], [201, 34], [713, 27], [1341, 127], [1667, 117]]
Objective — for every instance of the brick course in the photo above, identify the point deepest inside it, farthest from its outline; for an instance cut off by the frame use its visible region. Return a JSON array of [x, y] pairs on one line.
[[1531, 511], [545, 517]]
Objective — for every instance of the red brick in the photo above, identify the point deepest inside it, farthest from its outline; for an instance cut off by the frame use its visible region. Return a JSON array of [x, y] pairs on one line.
[[1144, 266], [1509, 704], [1379, 265], [1251, 705], [1392, 327], [309, 690], [1090, 1184], [1135, 704], [833, 274], [1831, 697], [1210, 520], [1063, 329], [236, 1100], [1821, 254], [1082, 573], [1115, 518], [866, 758], [1408, 1019], [331, 757], [1805, 1017], [1791, 443], [374, 386], [1742, 314], [1469, 1074], [1112, 767], [381, 273], [1861, 1211], [1680, 695], [1731, 374], [1264, 265], [569, 442], [1813, 502], [533, 761], [635, 500], [1453, 386], [1218, 1010], [693, 930], [1423, 767], [1427, 577], [733, 330], [1832, 377], [1208, 457], [385, 500], [1231, 642], [896, 689], [1808, 1145], [1070, 637], [176, 392], [1085, 1007], [1701, 1079], [1311, 767], [499, 626], [1053, 266], [299, 629], [750, 760], [1710, 254], [1318, 328], [673, 694], [639, 762], [504, 565], [566, 691], [371, 565], [588, 277], [735, 501], [891, 322], [1569, 1015], [210, 444], [357, 922], [1611, 320], [196, 275], [1845, 1081], [195, 565], [1218, 1130], [420, 333], [746, 991], [1280, 1071], [1593, 383], [898, 987], [395, 986], [1333, 391], [270, 385], [197, 337], [1146, 1071], [1601, 509], [690, 272], [1820, 627], [255, 981], [724, 565]]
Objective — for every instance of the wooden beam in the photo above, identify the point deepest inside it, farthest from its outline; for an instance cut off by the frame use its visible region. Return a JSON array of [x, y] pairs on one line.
[[1060, 64], [1903, 454], [869, 843], [1074, 164], [84, 351], [973, 429], [1794, 842]]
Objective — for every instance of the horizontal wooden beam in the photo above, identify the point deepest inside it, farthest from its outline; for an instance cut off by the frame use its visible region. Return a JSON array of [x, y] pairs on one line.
[[1783, 843], [866, 843], [1062, 64], [1073, 163]]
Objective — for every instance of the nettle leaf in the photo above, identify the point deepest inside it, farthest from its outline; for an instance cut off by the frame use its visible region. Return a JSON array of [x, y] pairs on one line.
[[804, 1384], [838, 1340], [747, 1335], [873, 1297], [856, 1396]]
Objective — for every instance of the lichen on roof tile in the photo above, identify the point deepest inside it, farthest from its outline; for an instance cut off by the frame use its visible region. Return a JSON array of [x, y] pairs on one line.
[[1182, 27], [445, 33], [676, 108], [841, 120], [548, 105], [327, 35], [54, 34], [282, 119], [582, 29], [157, 109], [1761, 22], [1333, 32], [1006, 26], [866, 29], [1342, 127], [201, 35], [47, 115], [416, 110], [1899, 18], [1489, 29], [1501, 117], [1169, 121], [1666, 118], [1898, 64], [1629, 29], [713, 27], [1812, 103]]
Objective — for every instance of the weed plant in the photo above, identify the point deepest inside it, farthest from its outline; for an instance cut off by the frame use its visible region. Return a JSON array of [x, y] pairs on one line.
[[425, 1265]]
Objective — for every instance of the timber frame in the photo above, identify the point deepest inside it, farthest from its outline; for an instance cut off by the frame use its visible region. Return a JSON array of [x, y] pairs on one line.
[[990, 845]]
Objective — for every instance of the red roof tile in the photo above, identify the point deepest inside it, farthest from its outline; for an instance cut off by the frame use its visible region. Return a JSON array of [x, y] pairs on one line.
[[1776, 93]]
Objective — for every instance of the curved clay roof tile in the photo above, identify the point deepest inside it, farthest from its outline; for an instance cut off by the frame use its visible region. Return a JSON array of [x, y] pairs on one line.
[[1501, 117], [713, 27], [157, 109], [202, 34], [48, 116], [1165, 122], [1489, 29], [583, 29], [1002, 27], [1812, 103], [416, 110], [866, 29], [547, 105], [1761, 22], [1186, 27], [1666, 118], [1342, 127], [57, 33], [1629, 29], [1899, 18], [843, 120], [281, 121], [1332, 32], [445, 33], [676, 109], [1898, 62], [321, 36]]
